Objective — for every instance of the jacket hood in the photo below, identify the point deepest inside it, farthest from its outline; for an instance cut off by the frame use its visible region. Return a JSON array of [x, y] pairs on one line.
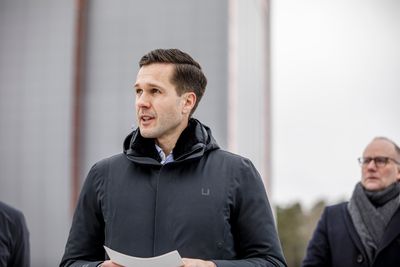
[[193, 142]]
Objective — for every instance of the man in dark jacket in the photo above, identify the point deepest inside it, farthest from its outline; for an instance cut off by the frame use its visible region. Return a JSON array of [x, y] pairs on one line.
[[173, 188], [366, 230], [14, 238]]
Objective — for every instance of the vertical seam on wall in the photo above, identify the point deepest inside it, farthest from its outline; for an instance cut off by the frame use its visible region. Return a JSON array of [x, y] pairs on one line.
[[81, 7], [232, 75]]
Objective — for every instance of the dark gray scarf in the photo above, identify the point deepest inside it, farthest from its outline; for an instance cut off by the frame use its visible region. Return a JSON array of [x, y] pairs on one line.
[[371, 212]]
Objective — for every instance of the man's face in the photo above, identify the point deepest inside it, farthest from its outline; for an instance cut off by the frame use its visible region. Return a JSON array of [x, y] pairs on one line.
[[161, 113], [376, 178]]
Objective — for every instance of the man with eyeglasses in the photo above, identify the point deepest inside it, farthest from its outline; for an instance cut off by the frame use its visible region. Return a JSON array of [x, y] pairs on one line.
[[366, 230]]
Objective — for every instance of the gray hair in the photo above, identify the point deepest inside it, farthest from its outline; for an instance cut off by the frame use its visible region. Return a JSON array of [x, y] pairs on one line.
[[396, 147]]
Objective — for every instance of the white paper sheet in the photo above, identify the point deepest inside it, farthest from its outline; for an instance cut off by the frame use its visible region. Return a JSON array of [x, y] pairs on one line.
[[170, 259]]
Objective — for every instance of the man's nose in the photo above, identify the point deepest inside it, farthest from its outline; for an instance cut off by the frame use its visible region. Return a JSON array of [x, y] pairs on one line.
[[371, 164], [143, 100]]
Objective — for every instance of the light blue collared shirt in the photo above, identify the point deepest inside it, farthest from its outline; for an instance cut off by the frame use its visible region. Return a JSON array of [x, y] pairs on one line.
[[165, 159]]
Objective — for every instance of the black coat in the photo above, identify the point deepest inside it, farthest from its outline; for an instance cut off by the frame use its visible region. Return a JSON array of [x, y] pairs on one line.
[[208, 204], [14, 238], [335, 242]]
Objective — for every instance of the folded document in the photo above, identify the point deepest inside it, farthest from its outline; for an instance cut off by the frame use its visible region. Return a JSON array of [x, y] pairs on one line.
[[170, 259]]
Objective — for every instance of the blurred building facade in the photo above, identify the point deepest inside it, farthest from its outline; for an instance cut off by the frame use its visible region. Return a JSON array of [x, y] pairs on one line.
[[67, 70]]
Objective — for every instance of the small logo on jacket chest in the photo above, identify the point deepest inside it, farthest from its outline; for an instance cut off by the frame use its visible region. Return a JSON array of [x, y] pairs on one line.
[[205, 191]]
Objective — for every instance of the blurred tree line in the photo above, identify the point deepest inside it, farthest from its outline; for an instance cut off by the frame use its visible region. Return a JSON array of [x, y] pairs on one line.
[[295, 228]]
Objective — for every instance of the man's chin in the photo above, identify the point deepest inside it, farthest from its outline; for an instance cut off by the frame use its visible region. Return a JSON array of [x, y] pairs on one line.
[[146, 133], [373, 187]]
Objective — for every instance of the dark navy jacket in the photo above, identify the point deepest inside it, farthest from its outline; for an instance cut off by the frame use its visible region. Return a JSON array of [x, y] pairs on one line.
[[335, 242], [14, 238], [208, 204]]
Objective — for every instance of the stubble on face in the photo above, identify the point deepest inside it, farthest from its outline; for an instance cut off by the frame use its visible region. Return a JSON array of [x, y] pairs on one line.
[[158, 107]]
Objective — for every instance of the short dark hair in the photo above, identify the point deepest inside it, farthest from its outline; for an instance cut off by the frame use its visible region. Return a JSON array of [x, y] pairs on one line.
[[188, 76]]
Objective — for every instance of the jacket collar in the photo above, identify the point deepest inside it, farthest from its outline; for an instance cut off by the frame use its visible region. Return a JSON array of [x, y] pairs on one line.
[[392, 231], [193, 142], [352, 230]]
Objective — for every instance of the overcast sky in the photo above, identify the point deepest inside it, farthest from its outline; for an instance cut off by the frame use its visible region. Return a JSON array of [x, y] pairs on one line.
[[335, 85]]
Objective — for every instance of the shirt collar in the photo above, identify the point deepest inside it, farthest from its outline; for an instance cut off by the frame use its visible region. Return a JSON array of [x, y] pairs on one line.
[[164, 159]]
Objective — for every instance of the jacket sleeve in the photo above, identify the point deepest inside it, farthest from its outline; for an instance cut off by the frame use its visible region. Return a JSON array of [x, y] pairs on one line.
[[86, 237], [318, 250], [21, 254], [252, 223]]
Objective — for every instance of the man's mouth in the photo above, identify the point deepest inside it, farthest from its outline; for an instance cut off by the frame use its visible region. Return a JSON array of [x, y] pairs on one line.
[[146, 119]]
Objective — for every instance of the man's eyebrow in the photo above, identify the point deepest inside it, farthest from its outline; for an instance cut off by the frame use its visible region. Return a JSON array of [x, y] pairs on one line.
[[136, 85]]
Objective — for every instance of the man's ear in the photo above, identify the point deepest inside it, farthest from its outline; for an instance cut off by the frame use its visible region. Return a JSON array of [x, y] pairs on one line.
[[398, 172], [189, 100]]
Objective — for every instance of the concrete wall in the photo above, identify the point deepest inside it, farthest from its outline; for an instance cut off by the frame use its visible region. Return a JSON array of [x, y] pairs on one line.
[[119, 34], [37, 69], [35, 112]]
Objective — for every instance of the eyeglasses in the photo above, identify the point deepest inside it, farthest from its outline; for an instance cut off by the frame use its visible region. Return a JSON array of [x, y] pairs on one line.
[[379, 161]]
